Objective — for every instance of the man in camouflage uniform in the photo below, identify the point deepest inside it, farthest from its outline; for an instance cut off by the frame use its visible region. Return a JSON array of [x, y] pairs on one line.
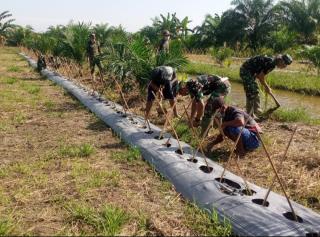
[[93, 50], [165, 42], [164, 81], [205, 85], [258, 67], [41, 63]]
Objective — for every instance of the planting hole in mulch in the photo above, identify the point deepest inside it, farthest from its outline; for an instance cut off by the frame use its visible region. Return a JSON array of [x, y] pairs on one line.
[[290, 217], [179, 151], [167, 144], [259, 201], [193, 160], [248, 192], [229, 183], [134, 122], [149, 132], [158, 137], [124, 116], [206, 169]]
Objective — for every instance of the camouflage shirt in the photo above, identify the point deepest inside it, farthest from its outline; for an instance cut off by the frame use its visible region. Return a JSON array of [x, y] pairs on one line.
[[164, 45], [208, 85], [93, 49], [259, 64]]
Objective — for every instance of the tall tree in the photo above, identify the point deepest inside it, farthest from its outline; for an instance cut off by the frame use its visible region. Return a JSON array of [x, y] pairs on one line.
[[303, 17], [260, 19], [5, 24]]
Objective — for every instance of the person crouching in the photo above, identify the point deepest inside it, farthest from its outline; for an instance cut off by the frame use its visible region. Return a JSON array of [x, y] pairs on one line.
[[233, 120]]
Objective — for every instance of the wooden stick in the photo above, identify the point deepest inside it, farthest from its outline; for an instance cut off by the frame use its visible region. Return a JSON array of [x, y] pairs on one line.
[[235, 145], [277, 176], [170, 124], [166, 123], [282, 160], [275, 99], [167, 142], [237, 164], [203, 137]]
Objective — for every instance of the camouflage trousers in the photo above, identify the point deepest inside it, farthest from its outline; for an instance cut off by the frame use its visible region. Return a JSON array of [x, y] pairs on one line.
[[251, 89]]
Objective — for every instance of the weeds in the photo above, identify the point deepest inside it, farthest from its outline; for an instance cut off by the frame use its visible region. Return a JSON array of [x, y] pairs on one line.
[[206, 224], [131, 155], [294, 115], [6, 227], [10, 80], [84, 150], [14, 69], [19, 118], [106, 222]]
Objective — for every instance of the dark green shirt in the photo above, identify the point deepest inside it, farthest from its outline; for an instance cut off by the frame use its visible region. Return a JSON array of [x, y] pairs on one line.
[[259, 64]]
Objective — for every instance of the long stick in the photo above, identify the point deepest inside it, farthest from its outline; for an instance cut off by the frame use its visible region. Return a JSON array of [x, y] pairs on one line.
[[166, 123], [203, 138], [175, 133], [277, 176], [282, 160], [235, 145], [275, 99], [176, 125], [236, 160]]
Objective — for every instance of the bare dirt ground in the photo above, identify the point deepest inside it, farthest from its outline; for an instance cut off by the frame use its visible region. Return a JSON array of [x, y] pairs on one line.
[[63, 172]]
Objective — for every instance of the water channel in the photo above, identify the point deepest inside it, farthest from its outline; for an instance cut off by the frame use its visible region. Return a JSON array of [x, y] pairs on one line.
[[287, 99]]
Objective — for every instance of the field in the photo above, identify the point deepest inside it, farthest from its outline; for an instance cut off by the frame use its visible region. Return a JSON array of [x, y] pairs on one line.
[[63, 172]]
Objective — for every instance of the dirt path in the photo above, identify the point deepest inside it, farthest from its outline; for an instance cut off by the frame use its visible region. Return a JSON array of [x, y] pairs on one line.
[[62, 172]]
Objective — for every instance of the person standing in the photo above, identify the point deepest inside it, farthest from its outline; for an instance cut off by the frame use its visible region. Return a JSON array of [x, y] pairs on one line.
[[93, 51], [257, 68], [165, 42]]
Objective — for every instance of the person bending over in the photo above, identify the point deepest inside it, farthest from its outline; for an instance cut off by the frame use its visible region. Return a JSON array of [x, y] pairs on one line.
[[164, 81], [205, 85]]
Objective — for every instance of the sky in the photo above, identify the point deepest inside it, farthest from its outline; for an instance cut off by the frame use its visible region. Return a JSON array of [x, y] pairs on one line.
[[131, 14]]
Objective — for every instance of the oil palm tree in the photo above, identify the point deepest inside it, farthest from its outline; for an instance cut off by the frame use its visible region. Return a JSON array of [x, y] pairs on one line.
[[260, 19], [5, 25], [303, 17]]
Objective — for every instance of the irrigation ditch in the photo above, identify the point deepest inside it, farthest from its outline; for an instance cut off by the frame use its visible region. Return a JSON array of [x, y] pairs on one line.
[[202, 184]]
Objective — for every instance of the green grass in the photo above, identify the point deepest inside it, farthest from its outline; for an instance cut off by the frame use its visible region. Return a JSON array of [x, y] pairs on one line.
[[131, 155], [6, 227], [14, 69], [19, 118], [185, 133], [83, 150], [11, 80], [49, 105], [107, 221], [292, 81], [206, 224], [294, 115]]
